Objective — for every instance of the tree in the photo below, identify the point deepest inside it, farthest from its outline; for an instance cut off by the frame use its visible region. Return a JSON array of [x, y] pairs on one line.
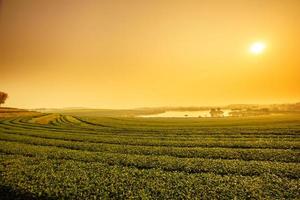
[[3, 97], [216, 112]]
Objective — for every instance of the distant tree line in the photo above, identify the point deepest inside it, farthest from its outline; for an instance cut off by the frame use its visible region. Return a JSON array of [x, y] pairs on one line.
[[216, 112]]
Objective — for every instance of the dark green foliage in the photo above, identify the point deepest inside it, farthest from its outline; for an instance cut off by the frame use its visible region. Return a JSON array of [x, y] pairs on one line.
[[132, 158], [3, 97]]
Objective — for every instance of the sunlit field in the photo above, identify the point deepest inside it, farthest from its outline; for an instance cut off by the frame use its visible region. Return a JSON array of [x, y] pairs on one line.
[[67, 157], [159, 99]]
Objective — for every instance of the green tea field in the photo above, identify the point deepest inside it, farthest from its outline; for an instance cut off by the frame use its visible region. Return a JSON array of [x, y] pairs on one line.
[[54, 156]]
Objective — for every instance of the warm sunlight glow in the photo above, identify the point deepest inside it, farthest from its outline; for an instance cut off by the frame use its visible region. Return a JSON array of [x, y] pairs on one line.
[[257, 48], [135, 53]]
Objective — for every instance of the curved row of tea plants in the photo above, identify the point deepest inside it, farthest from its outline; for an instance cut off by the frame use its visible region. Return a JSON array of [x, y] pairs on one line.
[[67, 157]]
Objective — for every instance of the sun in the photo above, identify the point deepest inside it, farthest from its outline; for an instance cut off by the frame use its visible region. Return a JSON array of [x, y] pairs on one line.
[[257, 47]]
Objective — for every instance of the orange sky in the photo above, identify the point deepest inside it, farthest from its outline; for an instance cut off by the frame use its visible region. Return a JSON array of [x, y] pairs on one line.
[[124, 54]]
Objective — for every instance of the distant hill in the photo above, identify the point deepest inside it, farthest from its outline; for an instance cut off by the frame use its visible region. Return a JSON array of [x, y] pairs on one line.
[[292, 107], [15, 112]]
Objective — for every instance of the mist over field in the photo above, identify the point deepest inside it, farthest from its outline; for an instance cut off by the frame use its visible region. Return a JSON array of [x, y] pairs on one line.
[[114, 99], [116, 55]]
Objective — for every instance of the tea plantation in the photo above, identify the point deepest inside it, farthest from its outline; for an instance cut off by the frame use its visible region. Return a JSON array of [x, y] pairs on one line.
[[53, 156]]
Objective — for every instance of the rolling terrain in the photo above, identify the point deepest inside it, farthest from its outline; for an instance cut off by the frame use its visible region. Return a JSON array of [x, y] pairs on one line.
[[16, 112], [55, 156]]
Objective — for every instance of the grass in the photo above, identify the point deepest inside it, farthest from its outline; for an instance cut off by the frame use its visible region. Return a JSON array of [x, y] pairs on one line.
[[54, 156]]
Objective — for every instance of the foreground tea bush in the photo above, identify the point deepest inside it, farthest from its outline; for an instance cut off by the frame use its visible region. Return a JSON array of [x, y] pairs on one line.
[[78, 180], [168, 163], [65, 157]]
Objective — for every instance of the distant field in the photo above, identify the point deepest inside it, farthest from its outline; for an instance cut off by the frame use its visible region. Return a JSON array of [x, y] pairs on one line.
[[68, 157], [15, 112], [84, 112]]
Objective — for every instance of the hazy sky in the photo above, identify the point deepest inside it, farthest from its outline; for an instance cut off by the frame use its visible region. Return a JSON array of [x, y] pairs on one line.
[[123, 54]]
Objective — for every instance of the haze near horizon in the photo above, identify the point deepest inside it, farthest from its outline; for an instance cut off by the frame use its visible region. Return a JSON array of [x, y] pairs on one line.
[[126, 54]]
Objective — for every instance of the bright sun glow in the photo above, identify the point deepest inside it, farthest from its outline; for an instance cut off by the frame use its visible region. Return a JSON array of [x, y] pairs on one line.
[[257, 48]]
